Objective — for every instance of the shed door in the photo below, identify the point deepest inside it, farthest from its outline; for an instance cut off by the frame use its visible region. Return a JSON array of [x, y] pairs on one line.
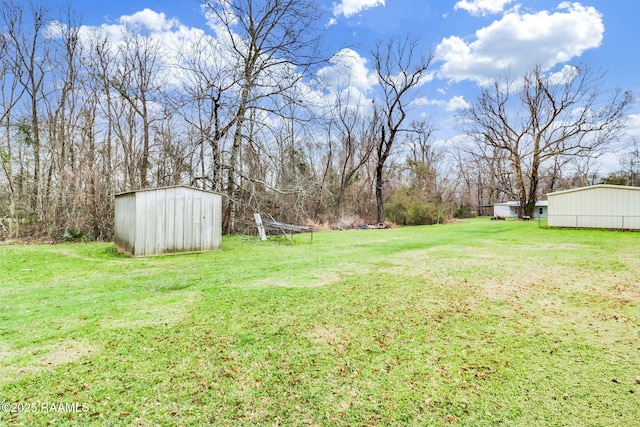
[[197, 224], [207, 223]]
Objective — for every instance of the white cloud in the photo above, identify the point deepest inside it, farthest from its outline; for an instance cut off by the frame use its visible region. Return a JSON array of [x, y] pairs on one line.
[[348, 69], [423, 100], [482, 7], [352, 7], [171, 38], [518, 40], [347, 81], [565, 75], [148, 22], [633, 126], [456, 103], [147, 18], [347, 77], [215, 23]]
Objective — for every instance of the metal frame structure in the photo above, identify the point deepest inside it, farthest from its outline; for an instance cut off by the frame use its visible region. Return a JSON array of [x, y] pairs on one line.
[[264, 225]]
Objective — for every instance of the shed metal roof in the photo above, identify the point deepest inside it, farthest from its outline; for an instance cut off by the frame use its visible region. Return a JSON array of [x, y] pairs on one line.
[[539, 203], [592, 187], [165, 188]]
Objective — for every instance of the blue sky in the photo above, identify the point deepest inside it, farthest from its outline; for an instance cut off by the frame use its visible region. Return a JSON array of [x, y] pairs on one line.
[[473, 41]]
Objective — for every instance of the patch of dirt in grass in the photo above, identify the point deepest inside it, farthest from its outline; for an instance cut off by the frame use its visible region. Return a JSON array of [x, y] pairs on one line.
[[313, 280], [316, 281], [45, 357], [66, 352], [623, 292], [568, 301], [495, 290], [502, 277], [520, 284], [489, 273], [73, 254], [539, 246], [5, 354], [632, 260], [331, 335], [617, 288], [416, 262], [163, 309]]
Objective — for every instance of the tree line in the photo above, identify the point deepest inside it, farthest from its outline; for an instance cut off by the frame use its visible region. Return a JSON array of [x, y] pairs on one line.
[[86, 114]]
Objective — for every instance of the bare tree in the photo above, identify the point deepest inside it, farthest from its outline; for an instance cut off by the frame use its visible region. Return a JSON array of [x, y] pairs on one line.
[[540, 117], [99, 62], [25, 35], [629, 166], [206, 104], [173, 152], [10, 94], [137, 83], [356, 138], [272, 43], [424, 191], [399, 73], [423, 158], [62, 105]]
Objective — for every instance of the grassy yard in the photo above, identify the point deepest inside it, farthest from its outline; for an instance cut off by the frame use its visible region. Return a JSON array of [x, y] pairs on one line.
[[478, 323]]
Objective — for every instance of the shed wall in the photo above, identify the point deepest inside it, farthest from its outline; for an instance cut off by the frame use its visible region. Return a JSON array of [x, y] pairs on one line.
[[172, 220], [125, 223], [596, 207]]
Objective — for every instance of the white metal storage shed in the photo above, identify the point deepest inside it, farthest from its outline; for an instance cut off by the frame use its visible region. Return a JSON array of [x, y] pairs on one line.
[[511, 209], [597, 206], [168, 220]]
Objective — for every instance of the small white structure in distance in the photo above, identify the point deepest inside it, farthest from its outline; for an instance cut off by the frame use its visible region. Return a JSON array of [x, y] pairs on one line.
[[596, 206], [510, 209], [168, 220]]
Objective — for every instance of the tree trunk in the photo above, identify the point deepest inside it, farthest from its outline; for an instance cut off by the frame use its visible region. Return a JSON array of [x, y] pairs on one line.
[[379, 197]]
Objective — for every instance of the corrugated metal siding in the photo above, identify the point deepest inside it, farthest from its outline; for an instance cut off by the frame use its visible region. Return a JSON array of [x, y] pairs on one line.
[[125, 224], [175, 219], [599, 206]]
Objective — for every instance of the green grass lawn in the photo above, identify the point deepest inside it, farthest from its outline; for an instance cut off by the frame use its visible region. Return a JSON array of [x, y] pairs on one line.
[[478, 323]]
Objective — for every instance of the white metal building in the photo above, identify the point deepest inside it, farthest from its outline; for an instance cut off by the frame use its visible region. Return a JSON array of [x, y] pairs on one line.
[[597, 206], [510, 209], [168, 220]]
